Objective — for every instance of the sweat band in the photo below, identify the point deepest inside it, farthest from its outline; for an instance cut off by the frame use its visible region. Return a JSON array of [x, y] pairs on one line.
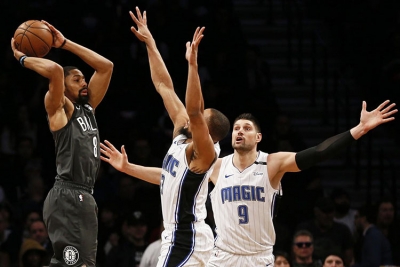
[[325, 150], [21, 60], [63, 43]]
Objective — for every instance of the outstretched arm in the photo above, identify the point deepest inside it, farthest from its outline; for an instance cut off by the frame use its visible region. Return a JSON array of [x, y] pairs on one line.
[[203, 145], [159, 74], [119, 160], [282, 162], [103, 67]]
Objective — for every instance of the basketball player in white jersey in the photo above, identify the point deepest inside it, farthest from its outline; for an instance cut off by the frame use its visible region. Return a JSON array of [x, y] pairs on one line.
[[187, 240], [247, 181]]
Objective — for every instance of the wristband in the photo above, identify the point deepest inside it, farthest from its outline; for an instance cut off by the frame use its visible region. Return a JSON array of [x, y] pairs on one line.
[[21, 60], [61, 46]]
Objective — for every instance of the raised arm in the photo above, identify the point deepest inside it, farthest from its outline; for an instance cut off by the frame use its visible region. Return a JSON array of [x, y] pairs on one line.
[[103, 68], [119, 160], [203, 145], [159, 74], [194, 96], [281, 162], [54, 99]]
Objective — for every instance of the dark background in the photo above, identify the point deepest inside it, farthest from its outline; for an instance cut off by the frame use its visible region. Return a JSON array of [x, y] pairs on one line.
[[363, 37]]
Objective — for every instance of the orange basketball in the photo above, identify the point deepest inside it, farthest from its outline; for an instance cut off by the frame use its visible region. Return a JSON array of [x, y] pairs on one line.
[[33, 38]]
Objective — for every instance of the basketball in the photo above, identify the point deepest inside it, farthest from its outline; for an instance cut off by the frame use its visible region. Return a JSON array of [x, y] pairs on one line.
[[33, 38]]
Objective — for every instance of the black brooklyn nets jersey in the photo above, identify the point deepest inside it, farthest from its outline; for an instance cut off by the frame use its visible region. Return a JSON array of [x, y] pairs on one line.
[[77, 148]]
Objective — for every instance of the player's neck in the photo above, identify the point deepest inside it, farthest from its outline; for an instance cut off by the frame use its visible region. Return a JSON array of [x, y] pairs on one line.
[[243, 159]]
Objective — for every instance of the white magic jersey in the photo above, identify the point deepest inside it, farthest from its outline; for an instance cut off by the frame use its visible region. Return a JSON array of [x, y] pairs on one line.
[[243, 203], [183, 193]]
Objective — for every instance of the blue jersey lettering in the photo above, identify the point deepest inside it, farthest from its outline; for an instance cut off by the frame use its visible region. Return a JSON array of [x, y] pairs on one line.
[[242, 192], [169, 164]]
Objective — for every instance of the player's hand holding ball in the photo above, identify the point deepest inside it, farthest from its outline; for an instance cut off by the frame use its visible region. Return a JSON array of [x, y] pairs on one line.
[[58, 38], [17, 54]]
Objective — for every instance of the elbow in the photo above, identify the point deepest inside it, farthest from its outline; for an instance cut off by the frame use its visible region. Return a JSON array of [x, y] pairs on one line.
[[108, 66], [54, 70]]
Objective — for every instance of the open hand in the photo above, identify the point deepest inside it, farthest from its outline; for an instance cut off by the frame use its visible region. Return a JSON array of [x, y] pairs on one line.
[[192, 48], [111, 155], [382, 114], [142, 32]]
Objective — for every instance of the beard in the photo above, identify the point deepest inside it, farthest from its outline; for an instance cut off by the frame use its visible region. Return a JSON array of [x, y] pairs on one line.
[[83, 99], [185, 132], [241, 147]]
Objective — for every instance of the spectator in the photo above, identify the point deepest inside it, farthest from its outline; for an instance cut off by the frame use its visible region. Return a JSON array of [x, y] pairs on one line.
[[333, 260], [32, 254], [11, 248], [343, 213], [132, 244], [388, 223], [328, 234], [372, 248], [303, 249], [29, 218], [38, 232], [281, 259]]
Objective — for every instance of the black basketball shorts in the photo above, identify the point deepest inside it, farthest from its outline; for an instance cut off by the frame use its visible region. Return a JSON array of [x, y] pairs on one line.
[[70, 216]]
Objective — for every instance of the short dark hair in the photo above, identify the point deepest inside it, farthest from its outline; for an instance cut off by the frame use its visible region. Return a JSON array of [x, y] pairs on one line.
[[303, 232], [67, 69], [249, 117], [281, 253], [218, 125], [334, 252], [368, 211]]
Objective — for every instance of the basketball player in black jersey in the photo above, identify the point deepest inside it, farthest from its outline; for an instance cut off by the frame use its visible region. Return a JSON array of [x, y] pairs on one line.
[[70, 211]]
